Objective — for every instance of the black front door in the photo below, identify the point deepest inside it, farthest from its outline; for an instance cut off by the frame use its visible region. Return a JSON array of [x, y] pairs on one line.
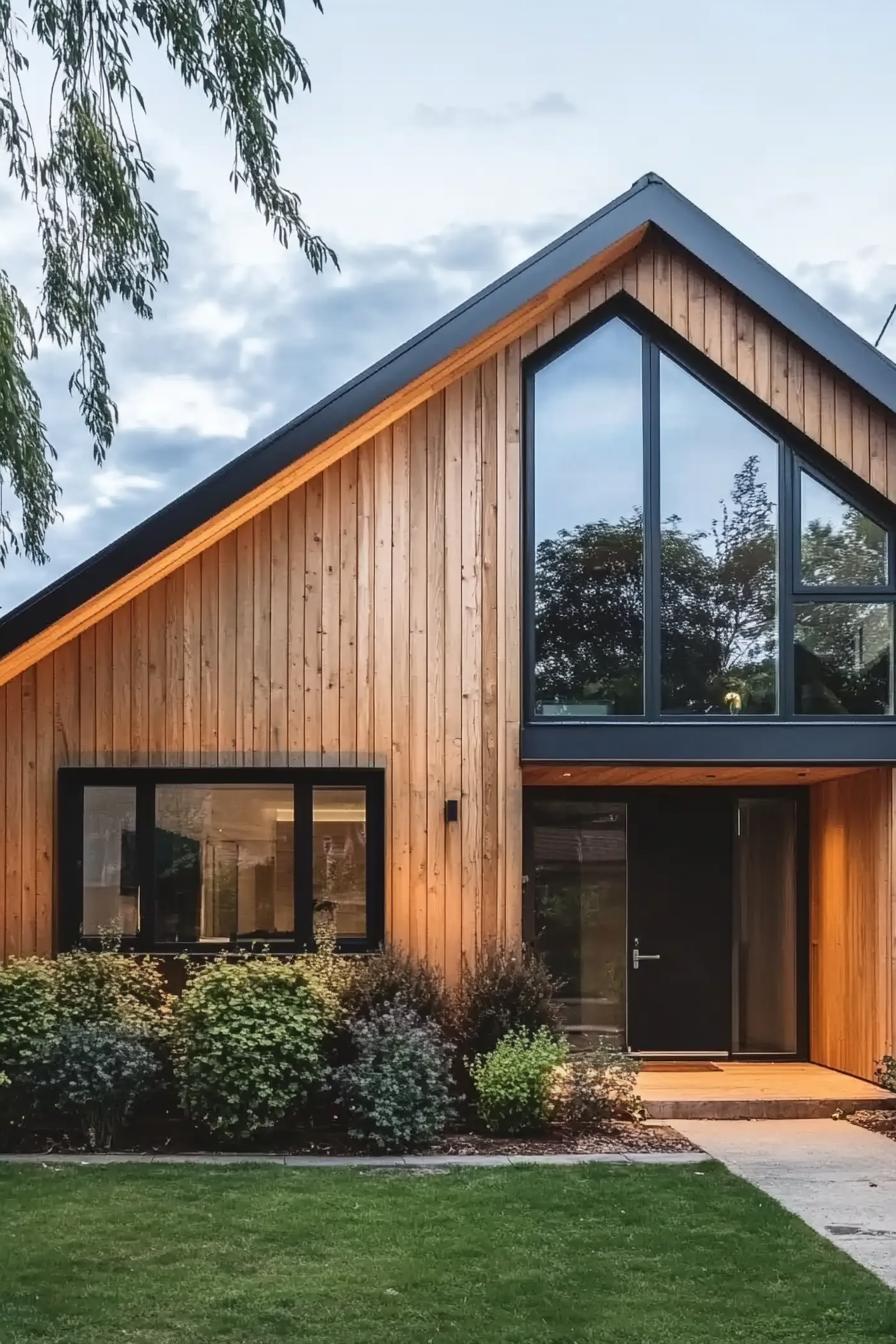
[[679, 922]]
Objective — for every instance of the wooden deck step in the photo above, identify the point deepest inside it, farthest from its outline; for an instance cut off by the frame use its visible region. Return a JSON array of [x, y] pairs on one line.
[[758, 1091]]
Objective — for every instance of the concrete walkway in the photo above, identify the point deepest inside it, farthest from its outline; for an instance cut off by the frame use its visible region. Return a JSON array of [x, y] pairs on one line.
[[839, 1179]]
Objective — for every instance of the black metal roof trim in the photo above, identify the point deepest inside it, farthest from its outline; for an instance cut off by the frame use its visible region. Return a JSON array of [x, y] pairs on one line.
[[649, 201]]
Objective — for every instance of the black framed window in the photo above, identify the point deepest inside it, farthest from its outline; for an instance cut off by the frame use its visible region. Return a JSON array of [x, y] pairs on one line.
[[200, 861], [688, 554]]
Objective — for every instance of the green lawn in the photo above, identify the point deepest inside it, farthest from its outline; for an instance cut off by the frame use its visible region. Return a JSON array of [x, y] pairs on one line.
[[173, 1255]]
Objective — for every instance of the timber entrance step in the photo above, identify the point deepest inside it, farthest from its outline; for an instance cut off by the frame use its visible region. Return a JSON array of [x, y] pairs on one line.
[[744, 1090]]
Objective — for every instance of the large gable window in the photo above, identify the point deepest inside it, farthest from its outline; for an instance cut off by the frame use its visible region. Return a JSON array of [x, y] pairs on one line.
[[686, 559], [206, 861]]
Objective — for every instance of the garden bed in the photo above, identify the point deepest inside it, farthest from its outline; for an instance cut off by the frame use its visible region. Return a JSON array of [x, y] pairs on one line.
[[879, 1122], [616, 1136]]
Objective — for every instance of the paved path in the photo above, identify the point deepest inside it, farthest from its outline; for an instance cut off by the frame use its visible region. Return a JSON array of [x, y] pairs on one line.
[[838, 1178]]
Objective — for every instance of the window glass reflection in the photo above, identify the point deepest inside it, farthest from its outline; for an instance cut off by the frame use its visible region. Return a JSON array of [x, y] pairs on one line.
[[718, 549], [340, 861], [843, 657], [579, 897], [224, 862], [589, 604], [840, 546], [111, 892]]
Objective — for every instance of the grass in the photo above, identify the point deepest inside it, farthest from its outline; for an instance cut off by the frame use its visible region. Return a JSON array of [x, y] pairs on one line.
[[190, 1255]]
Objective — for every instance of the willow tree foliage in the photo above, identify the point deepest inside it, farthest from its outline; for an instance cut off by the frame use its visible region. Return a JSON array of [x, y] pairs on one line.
[[76, 158]]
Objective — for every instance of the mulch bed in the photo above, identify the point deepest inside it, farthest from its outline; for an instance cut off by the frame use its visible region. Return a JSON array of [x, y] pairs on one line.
[[615, 1137], [618, 1137], [881, 1122]]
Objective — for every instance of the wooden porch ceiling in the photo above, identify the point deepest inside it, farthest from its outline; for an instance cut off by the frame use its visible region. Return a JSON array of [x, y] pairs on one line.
[[662, 776]]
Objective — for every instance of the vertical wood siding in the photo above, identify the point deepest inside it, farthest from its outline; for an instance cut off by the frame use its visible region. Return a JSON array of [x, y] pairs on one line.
[[850, 922], [372, 616]]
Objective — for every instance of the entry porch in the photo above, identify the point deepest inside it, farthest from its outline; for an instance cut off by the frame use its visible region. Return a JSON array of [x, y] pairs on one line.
[[728, 1089]]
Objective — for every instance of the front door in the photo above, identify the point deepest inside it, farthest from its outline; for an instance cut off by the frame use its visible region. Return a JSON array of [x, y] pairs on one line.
[[679, 922]]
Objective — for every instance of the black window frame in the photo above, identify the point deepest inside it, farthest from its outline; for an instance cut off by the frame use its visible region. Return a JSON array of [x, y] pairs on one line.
[[73, 780], [542, 736]]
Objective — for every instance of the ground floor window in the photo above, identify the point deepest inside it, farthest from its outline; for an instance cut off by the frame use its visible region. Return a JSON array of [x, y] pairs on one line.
[[173, 860], [674, 920]]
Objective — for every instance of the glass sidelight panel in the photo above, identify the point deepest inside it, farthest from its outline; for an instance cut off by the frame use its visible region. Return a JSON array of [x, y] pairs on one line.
[[577, 883], [111, 886], [224, 862], [765, 904], [340, 861]]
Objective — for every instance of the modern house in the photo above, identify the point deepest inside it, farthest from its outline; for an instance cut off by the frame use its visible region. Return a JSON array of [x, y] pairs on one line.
[[571, 619]]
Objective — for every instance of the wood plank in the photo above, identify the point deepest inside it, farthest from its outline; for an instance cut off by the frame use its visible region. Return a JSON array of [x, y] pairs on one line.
[[453, 691], [157, 676], [296, 629], [13, 943], [103, 694], [209, 645], [330, 618], [488, 930], [29, 808], [382, 632], [86, 646], [511, 657], [418, 681], [45, 827], [348, 610], [121, 682], [192, 654], [261, 639], [279, 631], [139, 681], [400, 750], [365, 601], [227, 650], [435, 681], [314, 513], [471, 666], [174, 667]]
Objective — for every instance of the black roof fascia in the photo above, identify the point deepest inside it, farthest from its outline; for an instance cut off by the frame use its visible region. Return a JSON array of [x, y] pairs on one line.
[[649, 201]]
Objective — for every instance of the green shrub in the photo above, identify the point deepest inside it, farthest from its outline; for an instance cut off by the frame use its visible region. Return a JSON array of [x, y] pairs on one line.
[[28, 1019], [503, 991], [514, 1083], [331, 974], [594, 1088], [247, 1044], [95, 1072], [391, 976], [109, 987], [396, 1092]]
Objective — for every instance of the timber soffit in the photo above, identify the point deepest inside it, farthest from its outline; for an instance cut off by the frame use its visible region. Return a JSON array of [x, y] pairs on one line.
[[650, 201]]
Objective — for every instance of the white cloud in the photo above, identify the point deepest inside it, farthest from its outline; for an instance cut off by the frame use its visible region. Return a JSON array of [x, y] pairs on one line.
[[212, 320], [173, 402]]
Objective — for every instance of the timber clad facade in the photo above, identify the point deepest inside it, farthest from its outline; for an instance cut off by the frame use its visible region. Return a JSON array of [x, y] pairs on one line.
[[364, 610]]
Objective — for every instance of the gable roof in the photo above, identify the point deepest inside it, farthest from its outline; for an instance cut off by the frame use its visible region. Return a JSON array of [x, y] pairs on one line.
[[650, 201]]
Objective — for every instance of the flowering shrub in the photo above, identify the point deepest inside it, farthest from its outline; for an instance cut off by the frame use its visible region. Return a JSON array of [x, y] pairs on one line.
[[247, 1044], [593, 1088], [396, 1092], [96, 1072], [514, 1083]]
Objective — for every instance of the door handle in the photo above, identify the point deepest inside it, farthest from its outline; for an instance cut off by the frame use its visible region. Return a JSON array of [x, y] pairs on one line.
[[638, 956]]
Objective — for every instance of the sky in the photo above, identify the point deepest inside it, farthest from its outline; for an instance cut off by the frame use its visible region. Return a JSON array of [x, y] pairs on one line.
[[441, 144]]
